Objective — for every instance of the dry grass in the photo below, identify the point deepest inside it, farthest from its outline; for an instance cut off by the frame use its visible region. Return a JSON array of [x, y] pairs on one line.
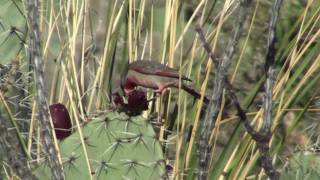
[[86, 44]]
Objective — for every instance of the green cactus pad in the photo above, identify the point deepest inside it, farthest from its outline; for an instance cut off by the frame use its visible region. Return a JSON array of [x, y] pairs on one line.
[[13, 29], [119, 147]]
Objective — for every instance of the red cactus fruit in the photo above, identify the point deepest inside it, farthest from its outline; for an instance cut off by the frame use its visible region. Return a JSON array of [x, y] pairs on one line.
[[137, 101], [61, 120]]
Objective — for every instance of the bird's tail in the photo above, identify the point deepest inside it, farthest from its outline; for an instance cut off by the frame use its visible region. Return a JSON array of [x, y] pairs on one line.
[[194, 93]]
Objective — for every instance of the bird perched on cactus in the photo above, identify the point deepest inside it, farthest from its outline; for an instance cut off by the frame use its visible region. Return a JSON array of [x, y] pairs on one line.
[[151, 74]]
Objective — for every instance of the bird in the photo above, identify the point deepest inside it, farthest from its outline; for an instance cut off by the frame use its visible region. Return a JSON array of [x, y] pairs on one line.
[[156, 76]]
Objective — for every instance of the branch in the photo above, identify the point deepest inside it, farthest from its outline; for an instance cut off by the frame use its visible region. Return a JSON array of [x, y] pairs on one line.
[[205, 44], [262, 139], [269, 67], [267, 104], [220, 70], [33, 7]]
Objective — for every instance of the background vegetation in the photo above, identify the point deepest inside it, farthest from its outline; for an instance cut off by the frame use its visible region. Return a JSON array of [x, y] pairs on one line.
[[85, 46]]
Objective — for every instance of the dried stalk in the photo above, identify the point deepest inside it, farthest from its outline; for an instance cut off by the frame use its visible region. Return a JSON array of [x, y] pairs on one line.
[[220, 70], [263, 137], [33, 7]]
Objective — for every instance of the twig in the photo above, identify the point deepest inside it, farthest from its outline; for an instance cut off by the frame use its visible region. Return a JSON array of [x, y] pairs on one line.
[[205, 44], [263, 137], [33, 7], [269, 67], [220, 73], [266, 161]]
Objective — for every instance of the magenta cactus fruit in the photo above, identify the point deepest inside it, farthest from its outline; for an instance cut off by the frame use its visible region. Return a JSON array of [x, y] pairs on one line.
[[61, 120], [137, 101]]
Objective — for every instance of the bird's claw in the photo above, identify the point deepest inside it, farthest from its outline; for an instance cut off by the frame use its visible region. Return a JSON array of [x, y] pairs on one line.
[[157, 93]]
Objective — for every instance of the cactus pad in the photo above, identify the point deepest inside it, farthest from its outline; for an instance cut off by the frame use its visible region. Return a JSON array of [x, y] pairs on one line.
[[119, 147]]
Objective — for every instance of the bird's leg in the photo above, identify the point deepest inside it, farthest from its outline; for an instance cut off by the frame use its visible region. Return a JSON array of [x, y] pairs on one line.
[[161, 89], [158, 93]]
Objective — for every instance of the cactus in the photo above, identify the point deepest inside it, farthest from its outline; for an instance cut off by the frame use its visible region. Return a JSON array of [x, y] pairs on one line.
[[119, 147], [13, 29], [14, 106]]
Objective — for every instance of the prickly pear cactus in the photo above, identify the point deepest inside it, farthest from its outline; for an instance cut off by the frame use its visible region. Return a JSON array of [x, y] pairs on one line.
[[13, 29], [119, 147]]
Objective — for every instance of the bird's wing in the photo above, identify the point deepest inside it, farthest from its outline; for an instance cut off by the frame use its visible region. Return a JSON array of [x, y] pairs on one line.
[[155, 68]]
